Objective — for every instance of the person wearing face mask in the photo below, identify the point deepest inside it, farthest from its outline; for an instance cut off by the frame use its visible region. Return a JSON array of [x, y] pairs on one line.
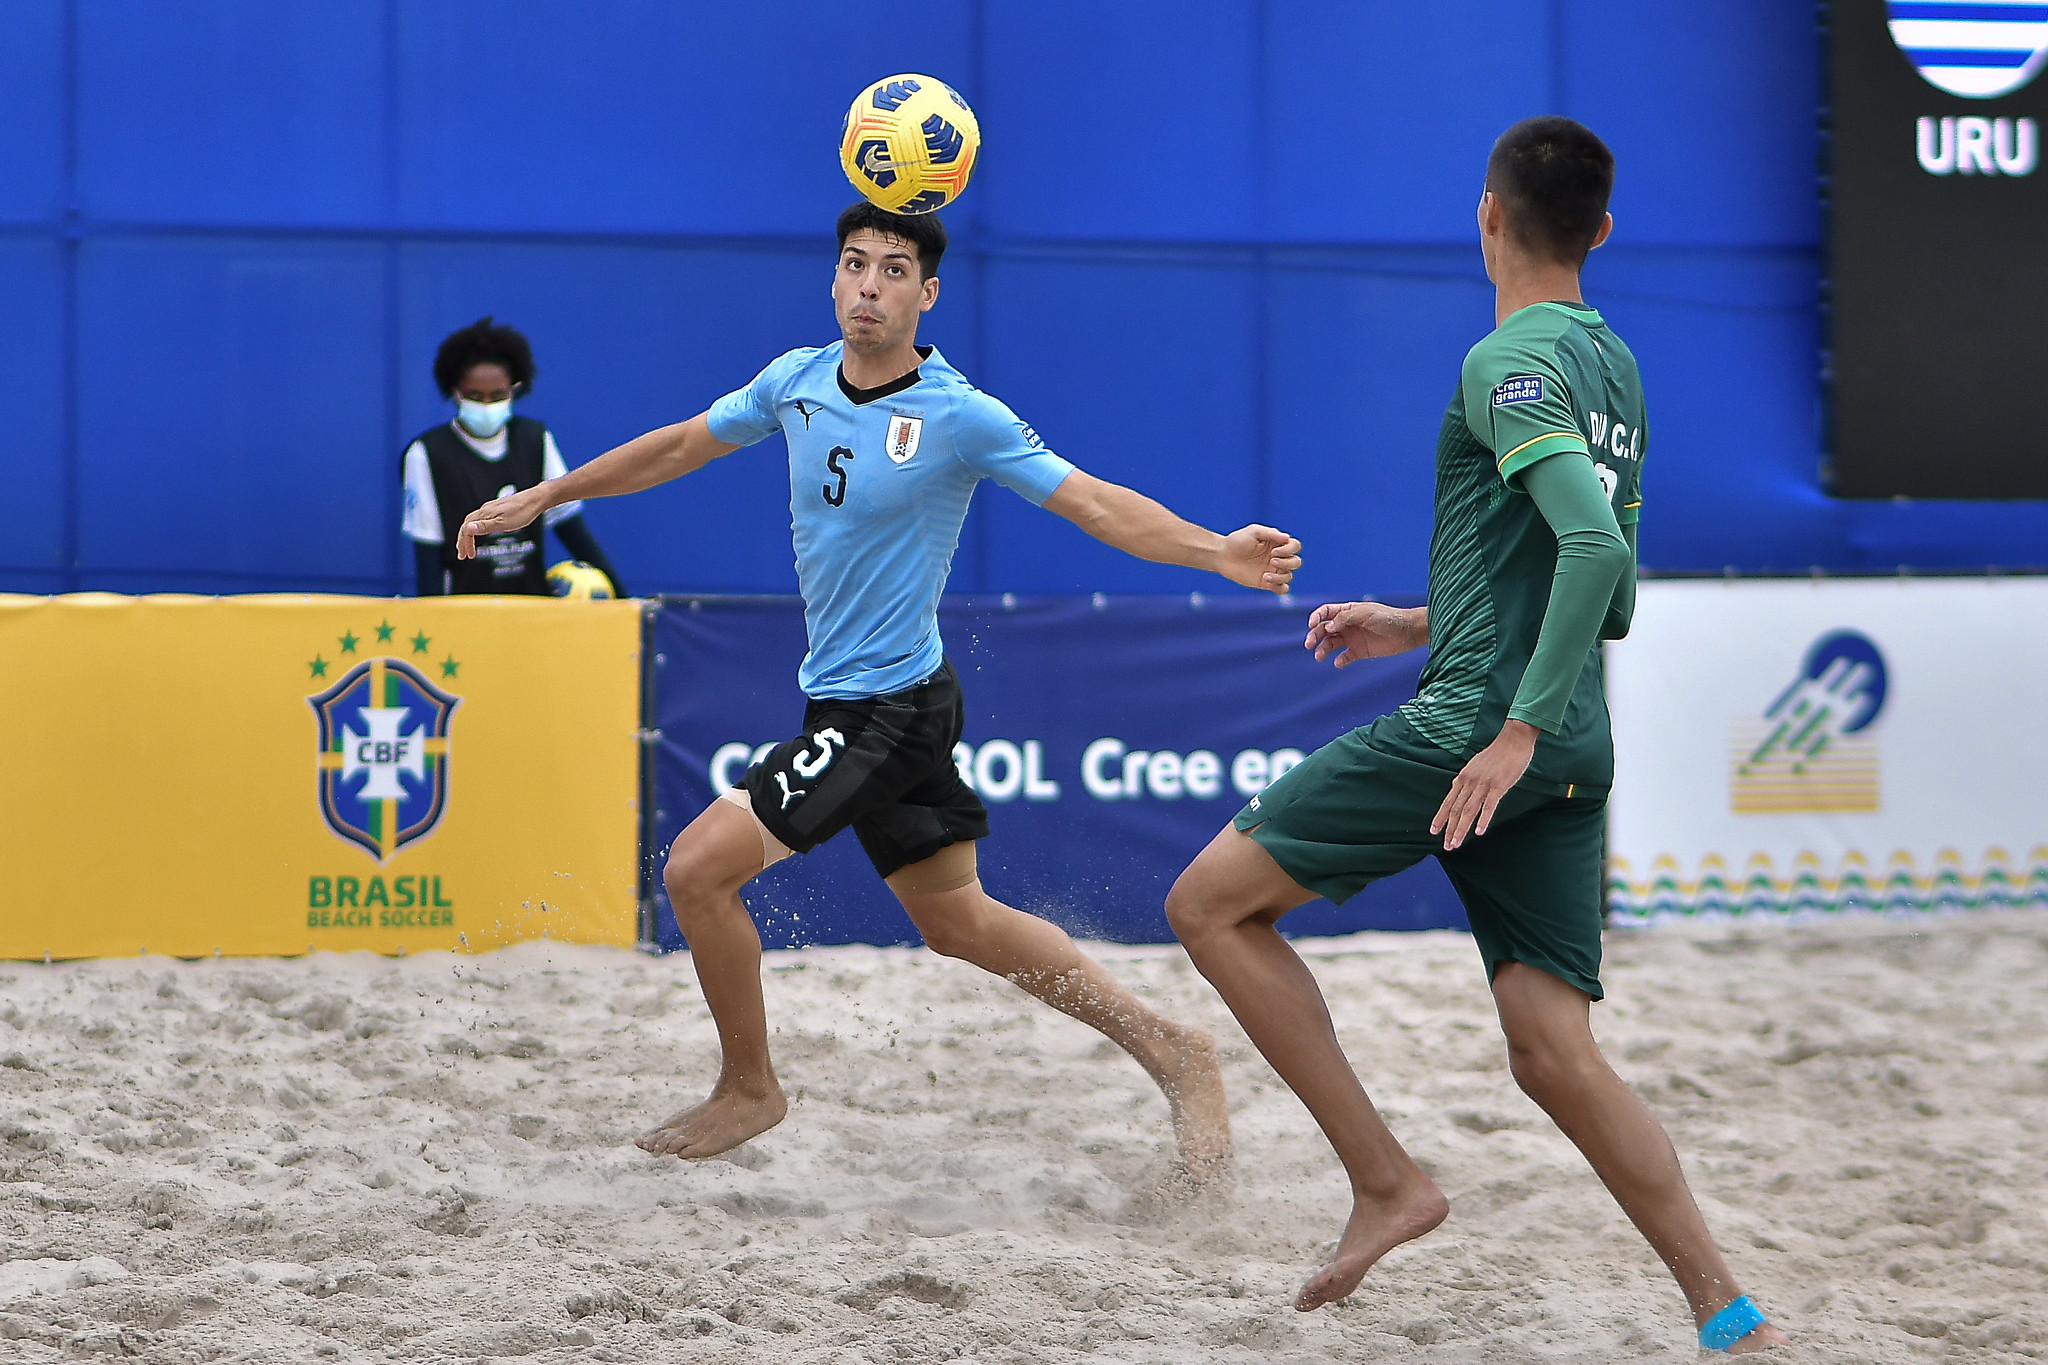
[[487, 453]]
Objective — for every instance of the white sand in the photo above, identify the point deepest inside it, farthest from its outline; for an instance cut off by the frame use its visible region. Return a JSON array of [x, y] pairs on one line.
[[427, 1159]]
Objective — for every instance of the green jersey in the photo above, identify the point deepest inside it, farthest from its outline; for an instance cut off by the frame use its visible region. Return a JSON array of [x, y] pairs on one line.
[[1551, 382]]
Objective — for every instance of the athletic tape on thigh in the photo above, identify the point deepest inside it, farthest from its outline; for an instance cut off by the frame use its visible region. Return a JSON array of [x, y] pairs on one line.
[[773, 850], [951, 868]]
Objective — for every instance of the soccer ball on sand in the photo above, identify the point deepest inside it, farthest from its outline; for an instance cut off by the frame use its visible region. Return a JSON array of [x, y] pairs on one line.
[[572, 578], [909, 144]]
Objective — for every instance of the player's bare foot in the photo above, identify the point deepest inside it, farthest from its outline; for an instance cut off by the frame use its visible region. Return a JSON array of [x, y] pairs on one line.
[[731, 1116], [1191, 1077], [1764, 1338], [1377, 1226]]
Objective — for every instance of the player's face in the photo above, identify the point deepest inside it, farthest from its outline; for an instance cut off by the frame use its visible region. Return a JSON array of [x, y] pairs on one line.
[[486, 383], [878, 292]]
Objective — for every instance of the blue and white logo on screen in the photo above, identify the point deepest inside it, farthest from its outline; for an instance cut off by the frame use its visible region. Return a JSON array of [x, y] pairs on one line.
[[1979, 49]]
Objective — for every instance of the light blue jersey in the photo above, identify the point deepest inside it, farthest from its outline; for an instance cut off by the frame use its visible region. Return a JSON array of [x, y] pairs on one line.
[[879, 481]]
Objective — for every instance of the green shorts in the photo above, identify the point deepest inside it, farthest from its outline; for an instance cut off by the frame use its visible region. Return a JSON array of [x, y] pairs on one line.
[[1358, 809]]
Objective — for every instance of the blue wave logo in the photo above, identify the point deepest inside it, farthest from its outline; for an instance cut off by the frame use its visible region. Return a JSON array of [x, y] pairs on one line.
[[1979, 49], [1813, 748], [1839, 691]]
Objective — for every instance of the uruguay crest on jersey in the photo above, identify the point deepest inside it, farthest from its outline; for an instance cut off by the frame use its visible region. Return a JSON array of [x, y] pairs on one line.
[[905, 431], [383, 756], [1979, 49]]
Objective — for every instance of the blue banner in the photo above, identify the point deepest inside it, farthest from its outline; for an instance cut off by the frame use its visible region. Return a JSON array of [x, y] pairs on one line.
[[1110, 738]]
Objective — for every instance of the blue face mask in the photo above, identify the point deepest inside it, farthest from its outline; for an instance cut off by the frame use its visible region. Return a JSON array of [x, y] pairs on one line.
[[483, 419]]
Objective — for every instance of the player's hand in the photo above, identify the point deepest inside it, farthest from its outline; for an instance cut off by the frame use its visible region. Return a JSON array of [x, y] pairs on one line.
[[1260, 557], [499, 515], [1362, 630], [1477, 790]]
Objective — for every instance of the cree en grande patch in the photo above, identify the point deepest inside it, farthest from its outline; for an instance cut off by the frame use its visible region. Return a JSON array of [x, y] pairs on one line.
[[1520, 388]]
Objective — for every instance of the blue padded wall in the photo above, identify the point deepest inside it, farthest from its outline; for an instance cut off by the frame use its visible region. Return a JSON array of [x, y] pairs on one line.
[[1223, 253], [33, 138], [642, 115], [277, 346], [1377, 121], [33, 551], [223, 111]]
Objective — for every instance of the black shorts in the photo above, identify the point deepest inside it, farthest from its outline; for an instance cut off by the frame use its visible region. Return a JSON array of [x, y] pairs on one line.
[[881, 764]]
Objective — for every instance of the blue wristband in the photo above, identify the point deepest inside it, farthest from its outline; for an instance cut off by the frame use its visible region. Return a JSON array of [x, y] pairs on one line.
[[1731, 1325]]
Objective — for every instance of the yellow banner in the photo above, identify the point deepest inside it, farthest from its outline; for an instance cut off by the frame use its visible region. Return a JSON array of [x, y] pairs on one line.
[[279, 774]]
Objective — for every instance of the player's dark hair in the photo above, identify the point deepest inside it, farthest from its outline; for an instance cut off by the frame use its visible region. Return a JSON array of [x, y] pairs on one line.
[[922, 230], [483, 342], [1553, 176]]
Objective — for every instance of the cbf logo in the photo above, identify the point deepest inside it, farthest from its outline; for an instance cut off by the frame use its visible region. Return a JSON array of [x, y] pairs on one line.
[[382, 761], [1813, 748]]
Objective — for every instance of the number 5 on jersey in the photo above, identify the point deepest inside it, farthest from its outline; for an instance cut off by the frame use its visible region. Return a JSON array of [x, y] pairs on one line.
[[803, 762], [837, 496]]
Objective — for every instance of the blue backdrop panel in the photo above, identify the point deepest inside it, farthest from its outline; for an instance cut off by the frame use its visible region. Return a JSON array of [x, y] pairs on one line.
[[231, 415], [1362, 367], [1379, 117], [1045, 679], [1175, 420], [646, 115], [1711, 112], [32, 396], [1096, 132], [1187, 235], [681, 326], [232, 111], [1712, 483], [32, 110]]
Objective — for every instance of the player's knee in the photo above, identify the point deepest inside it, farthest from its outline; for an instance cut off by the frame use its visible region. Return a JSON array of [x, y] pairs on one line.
[[691, 883], [1196, 906], [1184, 910], [1549, 1070], [955, 931], [946, 937], [1531, 1066], [681, 888]]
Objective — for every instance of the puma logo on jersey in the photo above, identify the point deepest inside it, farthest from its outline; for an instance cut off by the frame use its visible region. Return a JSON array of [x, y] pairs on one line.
[[1624, 442], [808, 412]]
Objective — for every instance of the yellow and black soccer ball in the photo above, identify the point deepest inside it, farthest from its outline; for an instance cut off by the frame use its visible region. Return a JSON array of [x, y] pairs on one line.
[[573, 578], [909, 144]]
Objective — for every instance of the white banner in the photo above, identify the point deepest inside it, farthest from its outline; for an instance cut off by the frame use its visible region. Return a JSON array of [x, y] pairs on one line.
[[1825, 745]]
